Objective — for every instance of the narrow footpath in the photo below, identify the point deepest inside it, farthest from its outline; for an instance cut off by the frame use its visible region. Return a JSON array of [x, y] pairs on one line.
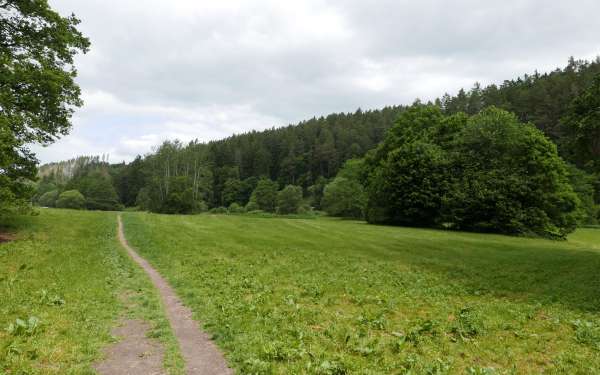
[[201, 355]]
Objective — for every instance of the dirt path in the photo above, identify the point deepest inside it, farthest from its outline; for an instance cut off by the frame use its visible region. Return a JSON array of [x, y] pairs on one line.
[[135, 354], [201, 355]]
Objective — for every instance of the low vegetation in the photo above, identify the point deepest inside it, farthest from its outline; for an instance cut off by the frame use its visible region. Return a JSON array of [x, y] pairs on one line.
[[327, 296], [64, 282]]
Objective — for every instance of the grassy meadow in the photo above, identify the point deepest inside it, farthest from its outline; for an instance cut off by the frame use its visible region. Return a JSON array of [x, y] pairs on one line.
[[64, 283], [320, 296], [329, 296]]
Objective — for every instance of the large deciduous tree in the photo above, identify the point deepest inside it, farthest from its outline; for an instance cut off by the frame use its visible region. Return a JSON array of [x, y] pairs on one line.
[[489, 172], [38, 93]]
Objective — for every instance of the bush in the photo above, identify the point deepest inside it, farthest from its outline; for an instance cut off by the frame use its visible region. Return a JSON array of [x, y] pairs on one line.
[[251, 206], [289, 199], [71, 199], [344, 197], [235, 208], [98, 190], [218, 210], [48, 199]]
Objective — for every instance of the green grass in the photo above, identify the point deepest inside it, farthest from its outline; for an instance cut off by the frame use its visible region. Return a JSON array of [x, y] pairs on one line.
[[332, 297], [65, 278]]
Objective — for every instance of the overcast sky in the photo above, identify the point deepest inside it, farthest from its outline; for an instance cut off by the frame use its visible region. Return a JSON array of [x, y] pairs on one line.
[[207, 69]]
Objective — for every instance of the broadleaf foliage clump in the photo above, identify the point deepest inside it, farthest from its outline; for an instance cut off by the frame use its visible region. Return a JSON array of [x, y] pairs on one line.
[[488, 172]]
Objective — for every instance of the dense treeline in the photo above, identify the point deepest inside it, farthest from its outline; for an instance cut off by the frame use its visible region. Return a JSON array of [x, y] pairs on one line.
[[184, 178], [83, 182], [319, 163], [542, 99]]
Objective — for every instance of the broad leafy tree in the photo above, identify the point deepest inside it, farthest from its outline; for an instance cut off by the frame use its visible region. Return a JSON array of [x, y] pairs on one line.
[[345, 197], [37, 89], [265, 195], [489, 172], [289, 199], [71, 199]]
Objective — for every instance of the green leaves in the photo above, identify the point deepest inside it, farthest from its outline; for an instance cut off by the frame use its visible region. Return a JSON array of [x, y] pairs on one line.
[[24, 327], [37, 90], [487, 172]]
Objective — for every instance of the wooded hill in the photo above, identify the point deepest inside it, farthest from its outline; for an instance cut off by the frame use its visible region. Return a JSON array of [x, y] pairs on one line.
[[192, 177]]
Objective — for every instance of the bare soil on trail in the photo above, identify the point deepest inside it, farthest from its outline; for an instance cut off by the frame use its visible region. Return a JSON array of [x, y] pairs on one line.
[[6, 237], [135, 354], [201, 355]]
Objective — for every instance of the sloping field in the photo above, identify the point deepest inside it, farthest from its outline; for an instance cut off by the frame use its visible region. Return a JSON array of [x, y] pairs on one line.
[[332, 297]]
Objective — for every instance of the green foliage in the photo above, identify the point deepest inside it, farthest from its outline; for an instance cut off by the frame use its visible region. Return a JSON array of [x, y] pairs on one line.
[[512, 180], [232, 192], [48, 199], [143, 200], [587, 333], [265, 195], [37, 91], [345, 197], [318, 296], [218, 210], [582, 127], [289, 199], [97, 187], [488, 172], [235, 208], [316, 192], [252, 206], [71, 199], [26, 327], [584, 186], [563, 104]]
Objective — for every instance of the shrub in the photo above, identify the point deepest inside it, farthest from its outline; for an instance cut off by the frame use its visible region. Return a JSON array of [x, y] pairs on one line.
[[48, 199], [235, 208], [218, 210], [71, 199], [251, 206], [344, 197]]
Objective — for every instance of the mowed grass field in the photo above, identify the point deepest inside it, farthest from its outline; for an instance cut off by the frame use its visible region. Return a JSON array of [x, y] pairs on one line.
[[329, 296], [64, 284]]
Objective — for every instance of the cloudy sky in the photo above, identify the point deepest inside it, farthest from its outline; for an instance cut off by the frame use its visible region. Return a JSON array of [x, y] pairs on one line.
[[205, 69]]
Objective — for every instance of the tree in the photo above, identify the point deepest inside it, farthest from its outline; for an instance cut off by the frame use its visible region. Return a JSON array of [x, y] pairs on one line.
[[582, 125], [289, 199], [232, 192], [48, 199], [489, 172], [345, 197], [37, 89], [96, 185], [71, 199], [316, 192], [508, 178], [265, 195]]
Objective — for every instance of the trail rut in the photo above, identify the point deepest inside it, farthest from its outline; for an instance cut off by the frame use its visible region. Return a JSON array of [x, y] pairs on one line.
[[201, 355]]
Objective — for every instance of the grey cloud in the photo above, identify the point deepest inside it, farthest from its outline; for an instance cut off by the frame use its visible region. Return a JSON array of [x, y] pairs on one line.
[[286, 61]]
